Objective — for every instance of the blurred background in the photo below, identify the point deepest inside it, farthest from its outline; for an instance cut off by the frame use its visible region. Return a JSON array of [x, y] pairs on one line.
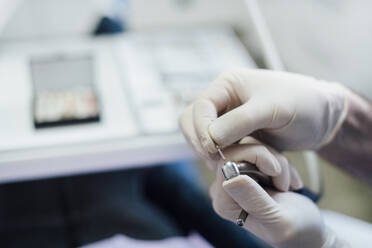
[[91, 90]]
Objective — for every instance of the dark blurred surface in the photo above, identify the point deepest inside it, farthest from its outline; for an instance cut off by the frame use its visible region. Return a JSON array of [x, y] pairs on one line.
[[154, 203]]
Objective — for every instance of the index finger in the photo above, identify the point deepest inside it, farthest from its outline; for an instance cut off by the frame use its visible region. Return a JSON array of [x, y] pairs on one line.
[[219, 97], [187, 127]]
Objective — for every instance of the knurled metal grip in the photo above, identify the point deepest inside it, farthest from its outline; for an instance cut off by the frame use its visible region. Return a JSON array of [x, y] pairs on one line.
[[230, 170]]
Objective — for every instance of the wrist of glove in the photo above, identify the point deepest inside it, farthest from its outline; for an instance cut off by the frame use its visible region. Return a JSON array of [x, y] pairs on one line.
[[332, 241], [338, 106]]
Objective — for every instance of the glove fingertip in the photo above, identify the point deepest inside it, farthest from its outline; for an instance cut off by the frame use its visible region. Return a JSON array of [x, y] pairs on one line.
[[249, 195], [282, 185], [241, 183], [296, 181], [274, 167], [216, 133], [208, 144]]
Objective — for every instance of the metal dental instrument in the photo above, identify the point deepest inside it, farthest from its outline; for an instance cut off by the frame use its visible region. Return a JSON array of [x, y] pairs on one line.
[[231, 169], [220, 152]]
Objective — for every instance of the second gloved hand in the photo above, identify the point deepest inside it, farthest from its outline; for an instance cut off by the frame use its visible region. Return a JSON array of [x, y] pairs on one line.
[[283, 219]]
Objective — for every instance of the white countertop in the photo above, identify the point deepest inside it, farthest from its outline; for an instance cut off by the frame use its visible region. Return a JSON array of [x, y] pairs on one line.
[[129, 134]]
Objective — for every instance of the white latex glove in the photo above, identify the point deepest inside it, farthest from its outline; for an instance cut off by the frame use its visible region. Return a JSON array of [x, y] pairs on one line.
[[282, 219], [285, 110]]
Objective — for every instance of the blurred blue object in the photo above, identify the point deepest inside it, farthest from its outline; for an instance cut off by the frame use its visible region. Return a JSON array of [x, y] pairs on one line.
[[108, 25]]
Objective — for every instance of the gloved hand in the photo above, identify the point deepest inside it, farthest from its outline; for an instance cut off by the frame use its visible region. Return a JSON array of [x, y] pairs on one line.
[[283, 219], [285, 110]]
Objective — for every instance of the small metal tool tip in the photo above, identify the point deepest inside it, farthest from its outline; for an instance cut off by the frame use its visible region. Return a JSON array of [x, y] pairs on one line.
[[242, 218], [239, 222], [220, 152]]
